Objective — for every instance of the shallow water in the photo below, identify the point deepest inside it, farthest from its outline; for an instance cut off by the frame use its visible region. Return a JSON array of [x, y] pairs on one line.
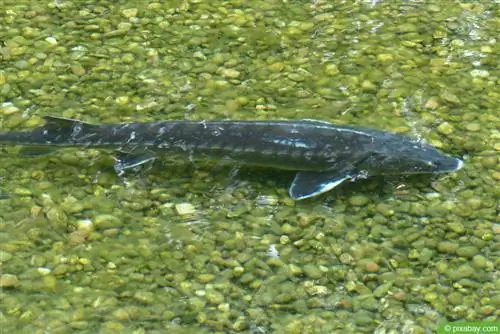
[[206, 247]]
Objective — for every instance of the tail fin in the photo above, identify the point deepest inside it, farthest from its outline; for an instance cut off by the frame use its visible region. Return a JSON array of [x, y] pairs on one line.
[[55, 131]]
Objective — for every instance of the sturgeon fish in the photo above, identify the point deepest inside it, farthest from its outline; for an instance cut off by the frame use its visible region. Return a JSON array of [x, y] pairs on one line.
[[324, 155]]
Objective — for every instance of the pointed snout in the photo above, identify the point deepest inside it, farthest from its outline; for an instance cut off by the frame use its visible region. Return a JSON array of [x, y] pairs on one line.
[[449, 164]]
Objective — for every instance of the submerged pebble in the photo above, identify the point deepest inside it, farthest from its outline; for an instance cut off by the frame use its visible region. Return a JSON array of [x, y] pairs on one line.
[[106, 221], [358, 200], [9, 281], [185, 209], [356, 260], [5, 256], [467, 251]]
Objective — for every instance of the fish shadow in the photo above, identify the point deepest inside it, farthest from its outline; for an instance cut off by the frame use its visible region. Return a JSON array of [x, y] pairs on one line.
[[209, 178]]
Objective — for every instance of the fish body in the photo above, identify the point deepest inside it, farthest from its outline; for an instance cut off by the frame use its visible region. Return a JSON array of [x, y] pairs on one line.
[[323, 154]]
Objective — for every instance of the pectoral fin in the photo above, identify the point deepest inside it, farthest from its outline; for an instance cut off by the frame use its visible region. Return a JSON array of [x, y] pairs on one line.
[[124, 160], [309, 184]]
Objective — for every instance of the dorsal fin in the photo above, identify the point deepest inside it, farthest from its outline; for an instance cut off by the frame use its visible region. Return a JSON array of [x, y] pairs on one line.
[[64, 131], [52, 122]]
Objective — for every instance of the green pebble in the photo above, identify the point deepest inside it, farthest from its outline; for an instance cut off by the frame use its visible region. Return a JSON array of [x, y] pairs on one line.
[[442, 267], [60, 269], [478, 73], [5, 256], [479, 261], [81, 324], [74, 207], [112, 327], [284, 239], [242, 100], [363, 318], [296, 77], [128, 58], [450, 97], [256, 284], [295, 270], [413, 254], [463, 271], [43, 271], [78, 70], [106, 221], [315, 290], [123, 313], [473, 127], [382, 290], [238, 271], [312, 271], [205, 278], [145, 297], [407, 27], [49, 282], [332, 69], [385, 209], [358, 200], [366, 301], [22, 192], [346, 258], [431, 296], [467, 251], [490, 162], [455, 298], [130, 12], [474, 203], [417, 209], [9, 281], [368, 86], [469, 283], [432, 103], [56, 215], [122, 100], [433, 8], [448, 247], [240, 324], [385, 57], [214, 297], [224, 307], [185, 209], [276, 67], [425, 255], [33, 122], [306, 26], [275, 262], [456, 227], [438, 34], [230, 73], [445, 128], [196, 304]]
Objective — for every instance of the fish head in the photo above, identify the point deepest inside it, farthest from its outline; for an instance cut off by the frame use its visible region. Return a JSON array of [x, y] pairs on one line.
[[409, 157]]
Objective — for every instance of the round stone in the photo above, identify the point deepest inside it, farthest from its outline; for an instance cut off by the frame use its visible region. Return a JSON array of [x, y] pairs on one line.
[[9, 281]]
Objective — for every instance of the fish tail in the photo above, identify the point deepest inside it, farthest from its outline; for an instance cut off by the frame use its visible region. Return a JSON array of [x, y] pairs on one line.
[[55, 131]]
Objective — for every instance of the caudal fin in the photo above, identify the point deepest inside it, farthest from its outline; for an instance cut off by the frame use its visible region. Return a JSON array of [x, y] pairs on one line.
[[55, 131]]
